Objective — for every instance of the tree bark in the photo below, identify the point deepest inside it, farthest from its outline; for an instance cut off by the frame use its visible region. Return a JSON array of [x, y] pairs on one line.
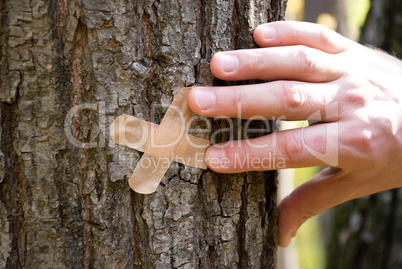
[[366, 233], [68, 69]]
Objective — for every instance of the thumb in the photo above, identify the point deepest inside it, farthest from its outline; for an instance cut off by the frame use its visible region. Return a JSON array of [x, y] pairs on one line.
[[323, 191]]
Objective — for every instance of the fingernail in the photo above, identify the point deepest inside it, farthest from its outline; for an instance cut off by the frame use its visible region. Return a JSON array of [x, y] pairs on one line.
[[268, 32], [229, 63], [216, 158], [205, 99]]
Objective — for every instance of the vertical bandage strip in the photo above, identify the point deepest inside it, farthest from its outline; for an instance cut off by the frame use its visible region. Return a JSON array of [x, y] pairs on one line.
[[161, 144]]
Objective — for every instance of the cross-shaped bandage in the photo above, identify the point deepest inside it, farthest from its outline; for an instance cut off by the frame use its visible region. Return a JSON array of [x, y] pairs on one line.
[[161, 144]]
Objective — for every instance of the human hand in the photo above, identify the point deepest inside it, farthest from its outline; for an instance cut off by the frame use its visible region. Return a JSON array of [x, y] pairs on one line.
[[357, 90]]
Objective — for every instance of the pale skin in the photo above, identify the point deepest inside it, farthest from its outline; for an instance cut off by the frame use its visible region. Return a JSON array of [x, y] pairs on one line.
[[311, 69]]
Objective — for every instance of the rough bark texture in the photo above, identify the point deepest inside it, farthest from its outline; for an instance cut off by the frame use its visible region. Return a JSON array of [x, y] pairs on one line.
[[366, 233], [64, 197]]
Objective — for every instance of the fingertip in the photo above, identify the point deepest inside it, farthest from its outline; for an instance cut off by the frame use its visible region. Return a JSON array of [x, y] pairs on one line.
[[290, 219], [224, 64], [264, 34], [284, 242], [214, 66], [201, 100], [217, 160], [191, 99], [285, 236]]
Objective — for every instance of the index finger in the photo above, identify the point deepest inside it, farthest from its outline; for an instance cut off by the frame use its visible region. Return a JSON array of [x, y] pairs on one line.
[[288, 33]]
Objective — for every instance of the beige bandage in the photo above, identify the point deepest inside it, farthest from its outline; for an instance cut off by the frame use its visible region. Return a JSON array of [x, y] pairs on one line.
[[161, 144]]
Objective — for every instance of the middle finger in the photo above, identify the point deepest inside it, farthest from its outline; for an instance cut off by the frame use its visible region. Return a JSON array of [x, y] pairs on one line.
[[284, 100], [289, 63]]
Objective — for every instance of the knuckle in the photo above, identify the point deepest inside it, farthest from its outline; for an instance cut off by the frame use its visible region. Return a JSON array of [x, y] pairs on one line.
[[291, 98], [356, 97], [259, 57], [363, 145], [361, 141], [236, 99], [301, 210], [356, 93], [308, 61], [291, 148], [325, 36]]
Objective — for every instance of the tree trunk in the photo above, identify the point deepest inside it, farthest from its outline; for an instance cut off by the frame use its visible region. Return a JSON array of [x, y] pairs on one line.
[[68, 69], [366, 233]]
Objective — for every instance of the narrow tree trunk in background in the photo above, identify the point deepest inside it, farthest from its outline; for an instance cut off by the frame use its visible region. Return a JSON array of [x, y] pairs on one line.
[[367, 232], [64, 197]]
